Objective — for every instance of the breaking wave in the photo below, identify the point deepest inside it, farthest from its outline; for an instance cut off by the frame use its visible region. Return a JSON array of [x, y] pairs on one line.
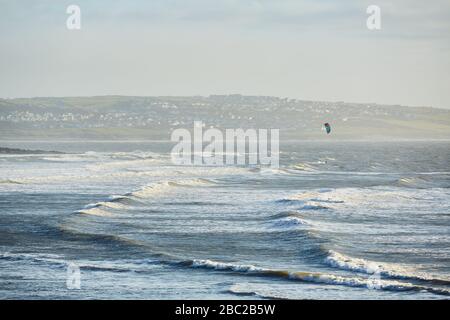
[[289, 222], [119, 202], [10, 181], [95, 212], [304, 167], [305, 205], [341, 261], [314, 277], [414, 182]]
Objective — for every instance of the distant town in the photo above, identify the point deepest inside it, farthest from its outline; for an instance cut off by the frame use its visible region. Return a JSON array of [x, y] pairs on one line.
[[124, 117]]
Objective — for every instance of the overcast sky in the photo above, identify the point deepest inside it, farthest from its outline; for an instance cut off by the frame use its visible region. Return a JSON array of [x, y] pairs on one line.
[[306, 49]]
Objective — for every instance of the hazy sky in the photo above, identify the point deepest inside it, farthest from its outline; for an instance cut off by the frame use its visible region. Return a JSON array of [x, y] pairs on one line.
[[306, 49]]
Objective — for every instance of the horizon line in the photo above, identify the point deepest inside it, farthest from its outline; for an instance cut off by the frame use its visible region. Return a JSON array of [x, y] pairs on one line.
[[229, 94]]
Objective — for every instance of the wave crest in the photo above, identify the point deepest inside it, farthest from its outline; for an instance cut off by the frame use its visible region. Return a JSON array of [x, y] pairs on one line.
[[341, 261], [315, 277]]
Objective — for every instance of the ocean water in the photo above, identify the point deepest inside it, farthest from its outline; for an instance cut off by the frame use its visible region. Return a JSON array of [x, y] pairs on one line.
[[337, 220]]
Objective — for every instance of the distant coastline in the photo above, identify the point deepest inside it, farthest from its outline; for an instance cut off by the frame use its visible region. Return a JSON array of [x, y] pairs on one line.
[[24, 151], [155, 118]]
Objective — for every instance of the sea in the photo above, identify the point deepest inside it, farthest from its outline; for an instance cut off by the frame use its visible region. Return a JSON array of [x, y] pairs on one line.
[[119, 220]]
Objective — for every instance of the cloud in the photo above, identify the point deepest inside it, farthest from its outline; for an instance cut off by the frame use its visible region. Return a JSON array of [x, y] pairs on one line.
[[315, 49], [400, 17]]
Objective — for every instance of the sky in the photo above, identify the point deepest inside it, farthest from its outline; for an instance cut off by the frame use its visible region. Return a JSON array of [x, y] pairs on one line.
[[303, 49]]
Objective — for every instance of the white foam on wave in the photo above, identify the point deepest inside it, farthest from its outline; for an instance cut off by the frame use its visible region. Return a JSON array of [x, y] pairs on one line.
[[415, 182], [64, 158], [270, 171], [84, 176], [48, 258], [307, 203], [304, 167], [10, 181], [107, 204], [225, 266], [313, 197], [150, 190], [290, 222], [124, 164], [164, 186], [345, 198], [352, 281], [341, 261], [117, 202], [191, 182], [95, 212], [315, 277]]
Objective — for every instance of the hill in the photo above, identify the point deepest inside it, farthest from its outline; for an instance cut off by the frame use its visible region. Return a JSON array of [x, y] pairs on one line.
[[125, 117]]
